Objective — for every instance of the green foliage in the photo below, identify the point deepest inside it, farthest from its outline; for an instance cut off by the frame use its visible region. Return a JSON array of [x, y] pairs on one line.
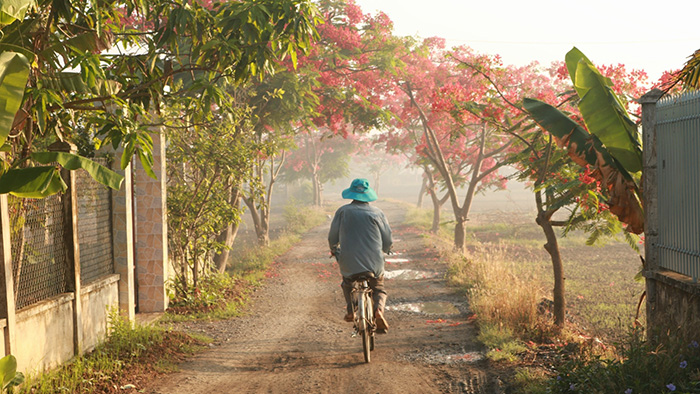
[[689, 75], [118, 95], [604, 113], [302, 217], [642, 368], [13, 79], [530, 381], [218, 295], [9, 377], [501, 341], [205, 168]]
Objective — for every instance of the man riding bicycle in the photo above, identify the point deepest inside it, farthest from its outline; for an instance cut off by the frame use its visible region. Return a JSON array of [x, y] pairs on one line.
[[358, 238]]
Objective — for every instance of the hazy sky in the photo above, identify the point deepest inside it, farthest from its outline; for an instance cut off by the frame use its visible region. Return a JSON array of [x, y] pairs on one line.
[[651, 35]]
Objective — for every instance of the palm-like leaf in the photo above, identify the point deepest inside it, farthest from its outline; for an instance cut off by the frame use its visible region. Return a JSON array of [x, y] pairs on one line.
[[603, 112], [14, 72], [689, 75], [585, 149]]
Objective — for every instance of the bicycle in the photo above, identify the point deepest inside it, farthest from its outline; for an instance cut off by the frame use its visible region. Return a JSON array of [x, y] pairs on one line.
[[363, 310]]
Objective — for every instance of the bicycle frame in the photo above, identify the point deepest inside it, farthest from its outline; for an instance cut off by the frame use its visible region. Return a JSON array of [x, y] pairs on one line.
[[363, 308]]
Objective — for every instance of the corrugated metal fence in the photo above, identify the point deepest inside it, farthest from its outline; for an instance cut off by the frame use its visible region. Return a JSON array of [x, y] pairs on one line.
[[678, 155]]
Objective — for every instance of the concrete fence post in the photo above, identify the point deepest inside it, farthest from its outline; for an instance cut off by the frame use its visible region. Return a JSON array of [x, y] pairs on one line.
[[650, 196], [72, 243], [123, 239], [7, 308]]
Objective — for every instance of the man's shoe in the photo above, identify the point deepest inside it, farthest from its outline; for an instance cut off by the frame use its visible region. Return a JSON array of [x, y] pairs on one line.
[[382, 325], [349, 317]]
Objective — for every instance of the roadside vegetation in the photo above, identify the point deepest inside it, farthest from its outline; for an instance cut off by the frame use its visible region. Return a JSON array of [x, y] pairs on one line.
[[506, 277], [131, 356], [224, 295]]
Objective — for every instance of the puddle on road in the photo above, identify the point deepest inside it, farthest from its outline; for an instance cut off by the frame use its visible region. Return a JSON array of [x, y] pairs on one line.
[[441, 358], [427, 308], [409, 274], [395, 260]]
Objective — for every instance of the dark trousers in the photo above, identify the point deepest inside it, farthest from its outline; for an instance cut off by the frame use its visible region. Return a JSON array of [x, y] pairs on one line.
[[378, 293]]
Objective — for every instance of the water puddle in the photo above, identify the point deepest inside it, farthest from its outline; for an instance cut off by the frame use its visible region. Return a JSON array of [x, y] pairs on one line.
[[394, 260], [427, 308], [409, 274], [439, 358], [445, 357]]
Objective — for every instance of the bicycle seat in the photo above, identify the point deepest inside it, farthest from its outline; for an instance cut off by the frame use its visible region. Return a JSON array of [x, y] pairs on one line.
[[362, 276]]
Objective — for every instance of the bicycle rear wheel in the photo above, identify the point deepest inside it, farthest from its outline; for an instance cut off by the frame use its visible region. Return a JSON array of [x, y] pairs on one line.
[[367, 340]]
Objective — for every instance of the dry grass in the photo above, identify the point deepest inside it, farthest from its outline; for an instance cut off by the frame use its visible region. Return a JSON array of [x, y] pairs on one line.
[[497, 294]]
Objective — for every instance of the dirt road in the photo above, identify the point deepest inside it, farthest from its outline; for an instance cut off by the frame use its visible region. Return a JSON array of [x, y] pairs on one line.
[[293, 338]]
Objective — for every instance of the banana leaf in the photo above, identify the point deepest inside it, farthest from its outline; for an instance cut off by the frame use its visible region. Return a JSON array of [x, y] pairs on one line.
[[603, 112], [14, 72], [587, 149], [72, 162], [32, 182], [12, 10]]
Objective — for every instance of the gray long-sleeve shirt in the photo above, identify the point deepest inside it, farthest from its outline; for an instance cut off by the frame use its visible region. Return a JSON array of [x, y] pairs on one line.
[[363, 234]]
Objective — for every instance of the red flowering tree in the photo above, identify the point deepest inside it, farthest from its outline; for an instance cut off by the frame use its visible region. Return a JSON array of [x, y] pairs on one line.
[[346, 72], [462, 134]]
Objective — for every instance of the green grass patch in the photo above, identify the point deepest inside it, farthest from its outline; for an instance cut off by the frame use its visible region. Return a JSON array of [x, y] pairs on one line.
[[530, 381], [501, 341]]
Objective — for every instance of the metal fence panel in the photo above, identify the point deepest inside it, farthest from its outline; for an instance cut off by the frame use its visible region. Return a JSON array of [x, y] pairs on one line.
[[94, 227], [38, 249], [678, 166]]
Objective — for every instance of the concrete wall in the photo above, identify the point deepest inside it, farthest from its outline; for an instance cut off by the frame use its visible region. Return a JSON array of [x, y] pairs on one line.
[[98, 298], [675, 308], [53, 331], [45, 330], [45, 334]]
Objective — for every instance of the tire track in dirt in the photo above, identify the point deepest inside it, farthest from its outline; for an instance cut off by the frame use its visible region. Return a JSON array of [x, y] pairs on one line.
[[293, 338]]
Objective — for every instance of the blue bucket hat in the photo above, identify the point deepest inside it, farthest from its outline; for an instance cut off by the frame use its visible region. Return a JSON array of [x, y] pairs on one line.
[[359, 190]]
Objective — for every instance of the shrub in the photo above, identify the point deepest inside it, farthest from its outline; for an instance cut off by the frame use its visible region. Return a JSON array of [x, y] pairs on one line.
[[643, 368]]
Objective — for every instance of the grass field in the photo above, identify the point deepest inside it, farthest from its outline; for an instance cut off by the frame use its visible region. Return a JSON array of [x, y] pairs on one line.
[[601, 290]]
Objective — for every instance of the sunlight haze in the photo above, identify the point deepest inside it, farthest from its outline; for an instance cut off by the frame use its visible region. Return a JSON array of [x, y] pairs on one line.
[[653, 36]]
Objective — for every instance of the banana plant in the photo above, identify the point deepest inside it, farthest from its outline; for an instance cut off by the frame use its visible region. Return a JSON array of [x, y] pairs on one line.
[[609, 143], [32, 181], [9, 377]]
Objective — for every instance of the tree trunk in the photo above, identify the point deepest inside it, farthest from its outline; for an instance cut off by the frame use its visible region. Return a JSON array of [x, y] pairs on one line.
[[259, 222], [195, 272], [422, 192], [317, 190], [228, 236], [183, 277], [436, 213], [460, 238], [552, 247]]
